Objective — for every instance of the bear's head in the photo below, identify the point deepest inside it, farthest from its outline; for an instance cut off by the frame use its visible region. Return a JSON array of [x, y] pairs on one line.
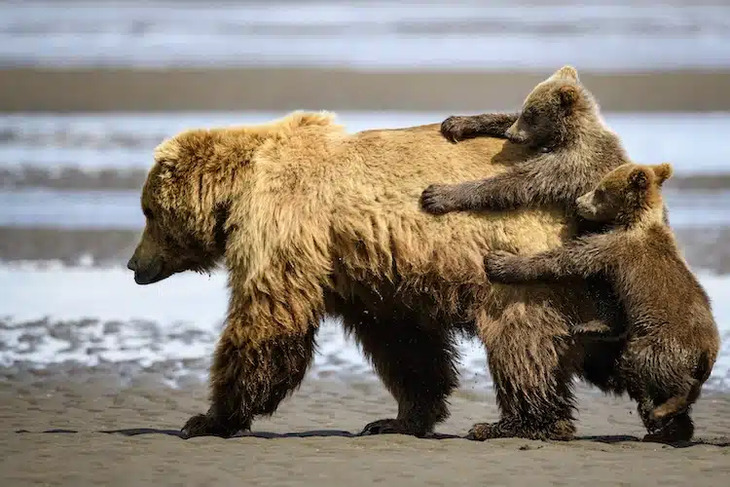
[[554, 112], [190, 190], [185, 209], [628, 194]]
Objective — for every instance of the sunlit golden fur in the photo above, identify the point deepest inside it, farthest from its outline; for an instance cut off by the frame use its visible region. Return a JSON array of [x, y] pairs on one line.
[[312, 221]]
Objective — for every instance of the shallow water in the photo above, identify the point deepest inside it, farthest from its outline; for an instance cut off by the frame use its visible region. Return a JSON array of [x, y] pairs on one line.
[[91, 209], [518, 35], [121, 144], [692, 142], [93, 316]]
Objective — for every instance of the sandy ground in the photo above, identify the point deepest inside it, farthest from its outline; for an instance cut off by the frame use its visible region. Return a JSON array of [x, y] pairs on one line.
[[85, 429], [61, 90]]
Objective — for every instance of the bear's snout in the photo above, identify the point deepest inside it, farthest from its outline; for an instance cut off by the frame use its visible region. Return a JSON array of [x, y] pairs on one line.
[[132, 263], [151, 272], [147, 269]]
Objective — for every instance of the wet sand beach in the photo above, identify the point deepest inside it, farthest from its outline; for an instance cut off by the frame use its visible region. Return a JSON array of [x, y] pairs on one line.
[[260, 88], [84, 429]]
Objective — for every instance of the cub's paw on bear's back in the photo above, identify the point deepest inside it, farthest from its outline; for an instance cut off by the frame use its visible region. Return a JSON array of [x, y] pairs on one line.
[[437, 200]]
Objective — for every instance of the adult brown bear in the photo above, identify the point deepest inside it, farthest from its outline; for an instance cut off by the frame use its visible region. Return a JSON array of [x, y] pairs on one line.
[[312, 221]]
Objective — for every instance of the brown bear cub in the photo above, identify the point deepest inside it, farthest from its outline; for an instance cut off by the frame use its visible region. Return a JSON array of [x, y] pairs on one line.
[[672, 340], [569, 149]]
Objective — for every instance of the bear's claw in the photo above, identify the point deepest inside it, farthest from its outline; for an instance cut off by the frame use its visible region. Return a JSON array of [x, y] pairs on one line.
[[453, 129], [561, 430], [390, 427], [204, 425], [481, 432]]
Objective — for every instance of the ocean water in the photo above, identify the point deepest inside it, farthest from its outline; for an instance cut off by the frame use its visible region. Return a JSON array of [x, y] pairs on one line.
[[120, 143], [52, 314], [91, 316], [692, 142], [409, 34]]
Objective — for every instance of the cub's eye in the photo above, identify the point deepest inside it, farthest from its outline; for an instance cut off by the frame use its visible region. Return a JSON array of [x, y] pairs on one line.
[[528, 115], [147, 213]]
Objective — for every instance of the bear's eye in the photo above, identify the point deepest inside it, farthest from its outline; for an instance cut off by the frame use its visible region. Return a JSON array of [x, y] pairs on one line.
[[528, 115], [600, 194], [147, 213]]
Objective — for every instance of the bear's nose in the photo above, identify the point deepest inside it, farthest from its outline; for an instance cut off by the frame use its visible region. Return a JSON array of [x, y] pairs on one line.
[[132, 264]]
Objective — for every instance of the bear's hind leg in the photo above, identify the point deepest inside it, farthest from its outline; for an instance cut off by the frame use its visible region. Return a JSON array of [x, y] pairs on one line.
[[252, 379], [415, 362], [529, 355]]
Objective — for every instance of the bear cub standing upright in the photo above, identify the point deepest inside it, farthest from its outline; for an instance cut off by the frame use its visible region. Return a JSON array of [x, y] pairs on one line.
[[673, 340]]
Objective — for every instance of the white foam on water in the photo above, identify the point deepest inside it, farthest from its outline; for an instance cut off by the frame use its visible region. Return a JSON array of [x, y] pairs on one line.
[[175, 320], [179, 319]]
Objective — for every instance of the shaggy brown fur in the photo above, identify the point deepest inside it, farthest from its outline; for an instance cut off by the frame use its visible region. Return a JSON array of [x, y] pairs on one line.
[[672, 338], [568, 148], [312, 221]]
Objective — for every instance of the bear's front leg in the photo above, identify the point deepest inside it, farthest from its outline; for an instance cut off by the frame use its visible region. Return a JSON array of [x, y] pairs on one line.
[[249, 378]]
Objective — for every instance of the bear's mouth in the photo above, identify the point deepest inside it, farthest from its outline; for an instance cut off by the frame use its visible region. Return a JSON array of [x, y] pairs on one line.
[[152, 274], [144, 279], [586, 212]]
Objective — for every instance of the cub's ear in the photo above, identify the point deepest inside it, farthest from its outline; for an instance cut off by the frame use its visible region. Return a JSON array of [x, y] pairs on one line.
[[566, 73], [567, 95], [639, 178], [662, 172]]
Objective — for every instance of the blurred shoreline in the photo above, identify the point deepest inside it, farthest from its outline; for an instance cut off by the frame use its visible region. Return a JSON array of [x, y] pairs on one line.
[[704, 246], [118, 179], [260, 88]]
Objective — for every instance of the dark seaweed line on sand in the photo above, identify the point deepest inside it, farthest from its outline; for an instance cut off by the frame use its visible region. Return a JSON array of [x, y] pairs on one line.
[[721, 442]]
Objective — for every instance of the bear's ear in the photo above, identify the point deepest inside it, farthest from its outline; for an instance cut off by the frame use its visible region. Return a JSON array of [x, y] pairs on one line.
[[565, 73], [639, 178], [662, 172], [567, 95], [166, 153], [167, 164]]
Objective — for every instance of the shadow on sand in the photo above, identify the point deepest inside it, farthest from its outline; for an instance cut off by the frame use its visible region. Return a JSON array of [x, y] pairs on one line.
[[722, 441]]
